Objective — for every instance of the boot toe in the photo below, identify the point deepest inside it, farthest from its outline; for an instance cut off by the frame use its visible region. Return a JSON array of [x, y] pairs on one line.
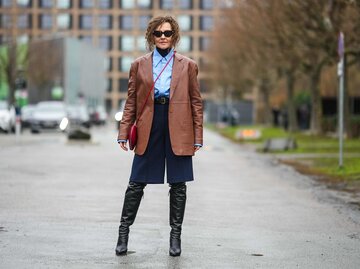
[[175, 247], [174, 253], [120, 250]]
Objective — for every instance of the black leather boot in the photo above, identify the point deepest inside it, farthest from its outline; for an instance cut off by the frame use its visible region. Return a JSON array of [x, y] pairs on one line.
[[133, 195], [177, 210]]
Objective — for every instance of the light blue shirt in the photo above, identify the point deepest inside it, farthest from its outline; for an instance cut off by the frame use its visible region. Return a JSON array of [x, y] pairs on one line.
[[162, 85]]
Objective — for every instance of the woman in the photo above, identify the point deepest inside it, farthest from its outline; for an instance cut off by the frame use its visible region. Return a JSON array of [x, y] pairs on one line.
[[170, 127]]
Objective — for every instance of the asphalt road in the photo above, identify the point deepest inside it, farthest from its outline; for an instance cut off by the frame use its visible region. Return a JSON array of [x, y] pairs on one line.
[[60, 205]]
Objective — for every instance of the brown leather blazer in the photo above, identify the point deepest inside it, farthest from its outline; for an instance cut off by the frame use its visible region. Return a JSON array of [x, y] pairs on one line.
[[185, 106]]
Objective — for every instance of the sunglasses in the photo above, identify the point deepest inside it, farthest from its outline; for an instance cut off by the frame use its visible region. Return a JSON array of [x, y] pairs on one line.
[[166, 33]]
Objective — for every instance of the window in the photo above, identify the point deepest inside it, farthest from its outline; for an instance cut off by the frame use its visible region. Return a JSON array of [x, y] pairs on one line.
[[204, 43], [63, 21], [24, 3], [87, 39], [166, 4], [64, 3], [105, 42], [108, 64], [109, 85], [127, 43], [5, 21], [126, 22], [105, 21], [108, 105], [46, 3], [45, 21], [141, 43], [185, 4], [23, 21], [185, 44], [123, 84], [206, 23], [145, 4], [127, 4], [204, 63], [125, 63], [86, 22], [185, 22], [86, 3], [143, 22], [226, 4], [207, 4], [23, 39], [6, 3], [104, 4]]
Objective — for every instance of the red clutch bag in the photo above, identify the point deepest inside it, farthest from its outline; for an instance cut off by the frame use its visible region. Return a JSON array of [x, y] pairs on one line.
[[132, 137]]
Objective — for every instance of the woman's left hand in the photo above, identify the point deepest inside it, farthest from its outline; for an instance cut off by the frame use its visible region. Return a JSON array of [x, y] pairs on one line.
[[196, 148]]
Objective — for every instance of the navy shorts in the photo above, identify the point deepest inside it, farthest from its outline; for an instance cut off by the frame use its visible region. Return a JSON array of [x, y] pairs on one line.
[[149, 168]]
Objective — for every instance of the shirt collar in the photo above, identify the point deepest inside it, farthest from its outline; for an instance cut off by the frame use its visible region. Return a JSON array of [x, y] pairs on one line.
[[157, 56]]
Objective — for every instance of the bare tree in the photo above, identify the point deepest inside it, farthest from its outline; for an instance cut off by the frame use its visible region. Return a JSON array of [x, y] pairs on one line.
[[285, 37], [45, 67], [238, 64], [15, 57]]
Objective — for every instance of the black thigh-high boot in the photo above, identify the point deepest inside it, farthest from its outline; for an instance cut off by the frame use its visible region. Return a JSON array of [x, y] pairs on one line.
[[133, 195], [177, 210]]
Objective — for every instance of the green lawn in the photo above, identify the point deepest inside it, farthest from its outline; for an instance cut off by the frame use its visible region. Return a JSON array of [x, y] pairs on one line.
[[326, 165], [306, 143], [329, 166]]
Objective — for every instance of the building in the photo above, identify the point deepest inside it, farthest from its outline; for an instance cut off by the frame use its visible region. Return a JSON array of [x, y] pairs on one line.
[[71, 67], [116, 26]]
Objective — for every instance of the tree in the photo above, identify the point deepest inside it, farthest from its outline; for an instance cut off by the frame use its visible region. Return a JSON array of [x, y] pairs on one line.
[[12, 57], [238, 65], [286, 38]]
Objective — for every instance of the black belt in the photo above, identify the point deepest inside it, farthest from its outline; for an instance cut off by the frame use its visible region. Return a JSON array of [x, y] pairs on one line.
[[161, 100]]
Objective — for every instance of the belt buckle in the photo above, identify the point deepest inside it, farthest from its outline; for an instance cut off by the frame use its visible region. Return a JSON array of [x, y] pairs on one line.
[[162, 100]]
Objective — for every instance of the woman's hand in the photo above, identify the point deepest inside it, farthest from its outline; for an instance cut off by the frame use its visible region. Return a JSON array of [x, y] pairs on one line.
[[123, 146], [196, 148]]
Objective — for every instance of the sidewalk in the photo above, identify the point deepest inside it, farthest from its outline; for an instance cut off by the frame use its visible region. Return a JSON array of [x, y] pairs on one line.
[[60, 205]]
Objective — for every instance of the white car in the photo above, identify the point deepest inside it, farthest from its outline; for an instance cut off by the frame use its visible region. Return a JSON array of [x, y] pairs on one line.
[[7, 117], [98, 115], [26, 115], [47, 115], [78, 115]]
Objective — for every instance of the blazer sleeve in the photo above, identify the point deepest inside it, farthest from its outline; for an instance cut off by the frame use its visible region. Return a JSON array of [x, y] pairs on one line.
[[196, 103], [129, 114]]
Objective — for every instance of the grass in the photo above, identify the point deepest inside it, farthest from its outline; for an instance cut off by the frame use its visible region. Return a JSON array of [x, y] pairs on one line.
[[329, 166], [324, 147], [306, 143]]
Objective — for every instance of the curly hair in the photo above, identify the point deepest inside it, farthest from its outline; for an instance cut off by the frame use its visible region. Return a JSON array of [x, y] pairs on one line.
[[155, 23]]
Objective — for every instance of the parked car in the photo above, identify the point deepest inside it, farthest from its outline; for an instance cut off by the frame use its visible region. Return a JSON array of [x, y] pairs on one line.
[[48, 115], [98, 115], [78, 115], [7, 117], [26, 115]]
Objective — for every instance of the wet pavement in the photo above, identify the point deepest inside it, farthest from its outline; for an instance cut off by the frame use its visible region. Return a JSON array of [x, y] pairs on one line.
[[60, 205]]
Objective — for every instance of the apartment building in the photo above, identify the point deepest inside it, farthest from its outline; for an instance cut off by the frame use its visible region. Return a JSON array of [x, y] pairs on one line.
[[116, 26]]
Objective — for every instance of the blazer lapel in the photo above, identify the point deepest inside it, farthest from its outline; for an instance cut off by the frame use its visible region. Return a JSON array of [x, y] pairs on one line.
[[147, 73], [176, 73]]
